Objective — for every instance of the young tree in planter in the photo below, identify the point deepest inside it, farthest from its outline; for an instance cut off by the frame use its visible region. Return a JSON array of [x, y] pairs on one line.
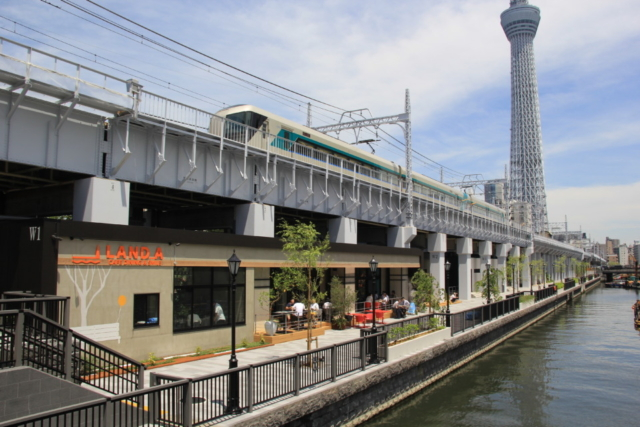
[[342, 300], [538, 269], [514, 267], [426, 291], [490, 287], [305, 253], [560, 265]]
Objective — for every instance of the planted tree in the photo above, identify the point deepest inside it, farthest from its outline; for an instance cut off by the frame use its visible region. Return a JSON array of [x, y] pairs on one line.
[[537, 267], [489, 285], [560, 266], [427, 292], [514, 268], [342, 299], [306, 264]]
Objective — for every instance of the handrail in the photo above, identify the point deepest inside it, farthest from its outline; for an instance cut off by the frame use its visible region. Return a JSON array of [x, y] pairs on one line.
[[201, 121], [58, 350]]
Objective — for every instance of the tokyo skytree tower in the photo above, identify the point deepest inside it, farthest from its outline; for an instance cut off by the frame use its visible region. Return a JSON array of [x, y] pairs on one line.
[[520, 23]]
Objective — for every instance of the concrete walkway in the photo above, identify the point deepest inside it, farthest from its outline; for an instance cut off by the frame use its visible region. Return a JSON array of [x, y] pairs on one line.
[[221, 363]]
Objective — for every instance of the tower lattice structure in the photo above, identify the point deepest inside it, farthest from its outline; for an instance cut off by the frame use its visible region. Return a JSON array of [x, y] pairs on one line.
[[520, 24]]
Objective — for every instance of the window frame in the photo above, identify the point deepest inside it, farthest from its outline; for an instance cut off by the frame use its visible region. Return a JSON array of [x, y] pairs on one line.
[[136, 298]]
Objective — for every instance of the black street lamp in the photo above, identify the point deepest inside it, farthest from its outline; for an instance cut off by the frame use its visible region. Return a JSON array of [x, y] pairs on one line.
[[233, 398], [488, 284], [373, 266], [447, 268], [531, 277]]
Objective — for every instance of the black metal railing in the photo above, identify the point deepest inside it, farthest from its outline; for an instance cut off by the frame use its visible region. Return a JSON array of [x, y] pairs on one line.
[[104, 368], [30, 339], [7, 339], [273, 380], [468, 319], [83, 414], [413, 325], [51, 307], [159, 405], [43, 344], [568, 284], [544, 293]]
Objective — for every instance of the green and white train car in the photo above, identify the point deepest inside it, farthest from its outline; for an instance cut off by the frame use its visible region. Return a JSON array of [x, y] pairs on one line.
[[266, 131]]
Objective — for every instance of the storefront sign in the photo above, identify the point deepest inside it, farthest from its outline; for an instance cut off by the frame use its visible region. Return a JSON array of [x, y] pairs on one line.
[[131, 255]]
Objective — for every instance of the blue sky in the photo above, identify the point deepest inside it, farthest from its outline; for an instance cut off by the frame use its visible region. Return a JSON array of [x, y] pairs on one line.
[[452, 55]]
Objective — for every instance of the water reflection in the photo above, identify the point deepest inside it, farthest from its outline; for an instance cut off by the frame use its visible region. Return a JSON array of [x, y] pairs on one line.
[[575, 367]]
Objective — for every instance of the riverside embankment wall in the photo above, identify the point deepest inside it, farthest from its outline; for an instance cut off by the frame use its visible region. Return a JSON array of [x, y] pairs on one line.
[[358, 397]]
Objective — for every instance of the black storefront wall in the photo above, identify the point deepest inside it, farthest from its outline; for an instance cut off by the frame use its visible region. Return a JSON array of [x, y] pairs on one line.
[[28, 256]]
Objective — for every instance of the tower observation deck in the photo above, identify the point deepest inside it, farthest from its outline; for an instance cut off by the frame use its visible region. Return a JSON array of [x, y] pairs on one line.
[[520, 24]]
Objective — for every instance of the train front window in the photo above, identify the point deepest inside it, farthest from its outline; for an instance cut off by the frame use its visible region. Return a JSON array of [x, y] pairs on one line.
[[248, 118]]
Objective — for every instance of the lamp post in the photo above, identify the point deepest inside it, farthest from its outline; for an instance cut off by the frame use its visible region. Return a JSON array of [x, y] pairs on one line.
[[531, 276], [373, 266], [488, 284], [233, 398], [447, 268]]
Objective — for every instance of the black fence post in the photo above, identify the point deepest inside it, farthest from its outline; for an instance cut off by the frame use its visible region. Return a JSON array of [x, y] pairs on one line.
[[250, 389], [18, 338], [68, 353], [187, 403], [108, 413], [296, 375], [334, 363], [363, 353]]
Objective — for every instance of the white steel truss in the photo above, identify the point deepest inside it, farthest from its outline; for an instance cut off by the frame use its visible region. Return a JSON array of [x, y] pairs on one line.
[[520, 24]]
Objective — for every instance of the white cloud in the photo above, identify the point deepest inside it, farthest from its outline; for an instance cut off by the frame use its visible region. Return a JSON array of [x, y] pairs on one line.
[[600, 211], [452, 55]]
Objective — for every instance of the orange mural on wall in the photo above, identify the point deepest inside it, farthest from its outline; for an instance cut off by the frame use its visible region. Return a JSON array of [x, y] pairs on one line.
[[133, 255]]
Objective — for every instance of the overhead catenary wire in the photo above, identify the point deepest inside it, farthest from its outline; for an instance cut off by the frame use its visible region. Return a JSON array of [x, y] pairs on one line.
[[293, 102], [298, 104], [142, 36]]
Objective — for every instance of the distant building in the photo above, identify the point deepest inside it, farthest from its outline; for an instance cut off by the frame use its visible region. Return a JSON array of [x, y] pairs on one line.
[[494, 194], [521, 214], [623, 254], [636, 251], [611, 245]]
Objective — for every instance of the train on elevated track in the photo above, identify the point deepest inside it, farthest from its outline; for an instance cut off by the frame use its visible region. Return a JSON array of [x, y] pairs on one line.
[[281, 134]]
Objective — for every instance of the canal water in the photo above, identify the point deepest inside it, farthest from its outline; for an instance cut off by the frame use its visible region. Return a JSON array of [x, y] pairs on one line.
[[577, 367]]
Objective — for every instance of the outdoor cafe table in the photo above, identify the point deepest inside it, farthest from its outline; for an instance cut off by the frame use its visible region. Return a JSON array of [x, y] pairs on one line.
[[284, 313]]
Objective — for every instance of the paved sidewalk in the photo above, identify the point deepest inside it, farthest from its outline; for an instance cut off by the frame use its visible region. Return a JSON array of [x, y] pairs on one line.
[[220, 363]]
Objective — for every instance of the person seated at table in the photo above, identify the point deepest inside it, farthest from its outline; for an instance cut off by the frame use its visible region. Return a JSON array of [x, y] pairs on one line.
[[454, 297], [298, 309], [289, 307], [399, 310], [385, 300], [314, 310]]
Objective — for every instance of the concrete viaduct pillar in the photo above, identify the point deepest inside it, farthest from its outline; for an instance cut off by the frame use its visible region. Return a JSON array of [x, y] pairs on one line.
[[255, 219], [526, 269], [515, 252], [101, 200], [437, 246], [464, 248], [343, 230], [502, 251], [401, 237]]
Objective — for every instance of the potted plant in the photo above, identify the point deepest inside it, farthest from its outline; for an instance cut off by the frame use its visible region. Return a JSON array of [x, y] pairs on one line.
[[267, 300], [339, 323], [342, 300]]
